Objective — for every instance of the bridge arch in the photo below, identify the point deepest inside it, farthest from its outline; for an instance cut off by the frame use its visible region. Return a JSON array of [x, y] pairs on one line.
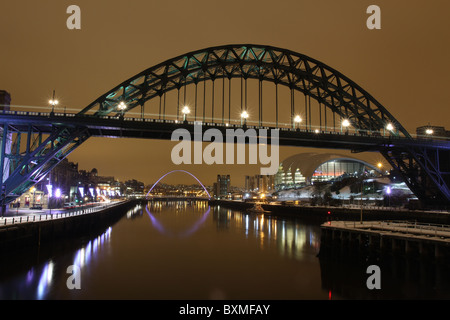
[[298, 72], [178, 170]]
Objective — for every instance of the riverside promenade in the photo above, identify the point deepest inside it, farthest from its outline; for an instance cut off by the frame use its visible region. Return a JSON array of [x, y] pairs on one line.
[[24, 215], [26, 228], [394, 237]]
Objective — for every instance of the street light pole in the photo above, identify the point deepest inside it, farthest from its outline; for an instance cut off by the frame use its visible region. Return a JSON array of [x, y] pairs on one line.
[[297, 119], [185, 112], [53, 102], [244, 116]]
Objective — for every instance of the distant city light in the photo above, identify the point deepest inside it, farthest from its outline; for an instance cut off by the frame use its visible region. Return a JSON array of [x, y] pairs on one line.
[[429, 131], [58, 193]]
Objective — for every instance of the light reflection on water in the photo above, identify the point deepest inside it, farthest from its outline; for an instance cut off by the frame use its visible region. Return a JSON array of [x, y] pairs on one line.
[[48, 280], [39, 280], [188, 250]]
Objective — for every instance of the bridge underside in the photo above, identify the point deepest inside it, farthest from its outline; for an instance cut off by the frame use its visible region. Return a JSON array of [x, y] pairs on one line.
[[423, 166]]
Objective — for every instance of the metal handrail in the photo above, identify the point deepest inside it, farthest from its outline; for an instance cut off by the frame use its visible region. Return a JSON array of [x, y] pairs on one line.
[[8, 221]]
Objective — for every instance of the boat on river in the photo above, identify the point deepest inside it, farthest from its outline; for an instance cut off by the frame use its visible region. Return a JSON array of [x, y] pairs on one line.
[[257, 208]]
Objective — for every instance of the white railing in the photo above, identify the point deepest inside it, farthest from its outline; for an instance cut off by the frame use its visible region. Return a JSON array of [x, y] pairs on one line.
[[7, 221], [405, 227]]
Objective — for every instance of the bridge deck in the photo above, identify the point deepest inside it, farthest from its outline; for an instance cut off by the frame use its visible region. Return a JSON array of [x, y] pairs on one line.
[[148, 128]]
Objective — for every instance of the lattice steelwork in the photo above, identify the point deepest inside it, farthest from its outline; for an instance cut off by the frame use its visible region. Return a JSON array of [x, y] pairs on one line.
[[265, 63], [424, 166], [31, 161]]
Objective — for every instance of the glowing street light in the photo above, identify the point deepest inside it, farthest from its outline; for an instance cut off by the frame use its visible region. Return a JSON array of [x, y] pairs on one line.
[[345, 123], [122, 106], [185, 112], [244, 116], [429, 131], [53, 102], [390, 127], [297, 119], [379, 165]]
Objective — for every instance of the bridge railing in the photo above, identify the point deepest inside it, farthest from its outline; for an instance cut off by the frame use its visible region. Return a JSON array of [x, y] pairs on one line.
[[236, 123], [14, 220]]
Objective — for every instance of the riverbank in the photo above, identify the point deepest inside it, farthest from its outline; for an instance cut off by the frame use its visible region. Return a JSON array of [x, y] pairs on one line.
[[36, 232], [321, 214]]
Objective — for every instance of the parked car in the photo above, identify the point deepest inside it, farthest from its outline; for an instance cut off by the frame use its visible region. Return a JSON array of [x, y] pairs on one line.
[[69, 205]]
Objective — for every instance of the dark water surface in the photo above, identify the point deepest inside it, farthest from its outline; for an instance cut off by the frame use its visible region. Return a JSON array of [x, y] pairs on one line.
[[188, 250]]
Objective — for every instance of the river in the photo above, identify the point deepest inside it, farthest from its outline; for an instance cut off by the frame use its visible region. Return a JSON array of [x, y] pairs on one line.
[[191, 251]]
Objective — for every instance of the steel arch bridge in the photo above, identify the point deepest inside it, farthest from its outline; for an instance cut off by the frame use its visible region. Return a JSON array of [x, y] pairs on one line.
[[264, 63], [170, 172], [330, 104]]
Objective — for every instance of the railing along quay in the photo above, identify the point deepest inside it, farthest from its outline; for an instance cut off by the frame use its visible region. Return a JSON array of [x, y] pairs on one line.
[[8, 221], [406, 237]]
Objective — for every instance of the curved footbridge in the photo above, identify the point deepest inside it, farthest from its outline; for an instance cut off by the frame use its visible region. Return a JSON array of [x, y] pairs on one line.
[[395, 237]]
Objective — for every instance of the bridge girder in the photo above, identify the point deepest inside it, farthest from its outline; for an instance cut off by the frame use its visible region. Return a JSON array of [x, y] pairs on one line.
[[265, 63], [422, 167]]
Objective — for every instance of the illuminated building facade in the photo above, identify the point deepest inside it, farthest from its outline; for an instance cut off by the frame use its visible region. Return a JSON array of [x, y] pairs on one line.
[[306, 168], [222, 188]]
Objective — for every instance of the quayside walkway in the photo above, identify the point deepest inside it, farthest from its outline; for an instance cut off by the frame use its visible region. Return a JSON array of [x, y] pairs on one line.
[[26, 216], [395, 236]]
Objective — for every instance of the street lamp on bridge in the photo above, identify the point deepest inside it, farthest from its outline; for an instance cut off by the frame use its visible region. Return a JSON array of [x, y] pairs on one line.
[[297, 119], [390, 127], [122, 106], [53, 102], [185, 112], [244, 116], [345, 123]]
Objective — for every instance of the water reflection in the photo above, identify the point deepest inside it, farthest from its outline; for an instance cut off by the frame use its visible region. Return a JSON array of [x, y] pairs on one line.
[[42, 280], [344, 275], [45, 280], [180, 207], [292, 238]]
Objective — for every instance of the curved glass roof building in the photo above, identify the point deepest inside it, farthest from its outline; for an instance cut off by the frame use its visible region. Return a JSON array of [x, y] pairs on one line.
[[307, 168]]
